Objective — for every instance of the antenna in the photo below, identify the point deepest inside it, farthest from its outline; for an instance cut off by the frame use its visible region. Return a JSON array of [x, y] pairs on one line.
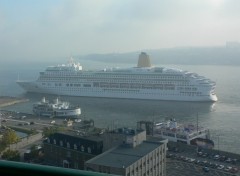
[[197, 121]]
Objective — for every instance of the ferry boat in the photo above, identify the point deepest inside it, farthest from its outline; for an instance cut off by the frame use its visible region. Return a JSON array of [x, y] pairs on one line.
[[55, 109], [184, 133], [142, 82]]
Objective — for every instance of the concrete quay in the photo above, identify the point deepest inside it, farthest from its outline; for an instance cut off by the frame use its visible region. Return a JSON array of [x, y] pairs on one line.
[[7, 101]]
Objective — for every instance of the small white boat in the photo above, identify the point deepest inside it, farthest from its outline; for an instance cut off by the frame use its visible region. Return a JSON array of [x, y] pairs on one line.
[[56, 109]]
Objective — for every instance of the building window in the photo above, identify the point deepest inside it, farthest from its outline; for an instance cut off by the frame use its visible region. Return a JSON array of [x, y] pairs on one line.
[[75, 147], [76, 165], [65, 164], [82, 148], [68, 145], [89, 150], [68, 154], [54, 141], [61, 143]]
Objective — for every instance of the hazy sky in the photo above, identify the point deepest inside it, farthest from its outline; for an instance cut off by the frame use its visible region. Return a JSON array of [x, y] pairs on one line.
[[60, 28]]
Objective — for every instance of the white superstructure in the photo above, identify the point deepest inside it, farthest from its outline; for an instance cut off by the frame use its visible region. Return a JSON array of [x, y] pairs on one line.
[[184, 133], [55, 109], [141, 82]]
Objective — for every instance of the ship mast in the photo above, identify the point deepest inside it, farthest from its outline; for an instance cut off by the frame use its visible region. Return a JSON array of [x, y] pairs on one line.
[[197, 122]]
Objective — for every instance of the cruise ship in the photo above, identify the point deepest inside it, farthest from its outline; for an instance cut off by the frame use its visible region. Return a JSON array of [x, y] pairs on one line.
[[141, 82]]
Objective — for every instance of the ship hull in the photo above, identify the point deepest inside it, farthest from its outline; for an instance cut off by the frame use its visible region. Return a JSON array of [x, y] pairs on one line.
[[59, 113], [203, 143], [36, 87]]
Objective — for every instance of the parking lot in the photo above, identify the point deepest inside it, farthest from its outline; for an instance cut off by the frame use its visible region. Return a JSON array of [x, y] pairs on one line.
[[177, 168], [200, 163]]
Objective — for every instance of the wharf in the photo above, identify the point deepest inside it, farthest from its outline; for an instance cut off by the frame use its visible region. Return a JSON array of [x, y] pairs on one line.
[[7, 101]]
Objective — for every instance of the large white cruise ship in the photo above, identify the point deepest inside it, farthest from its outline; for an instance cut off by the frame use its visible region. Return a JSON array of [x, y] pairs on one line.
[[141, 82]]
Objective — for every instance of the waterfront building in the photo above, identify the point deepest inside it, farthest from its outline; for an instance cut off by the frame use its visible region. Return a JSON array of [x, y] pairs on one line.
[[71, 150], [135, 156]]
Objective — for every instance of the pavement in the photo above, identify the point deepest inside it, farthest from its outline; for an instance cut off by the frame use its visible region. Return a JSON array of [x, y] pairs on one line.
[[178, 168], [179, 163]]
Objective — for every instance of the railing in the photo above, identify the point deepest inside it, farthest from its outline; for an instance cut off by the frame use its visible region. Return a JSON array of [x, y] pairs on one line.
[[18, 168]]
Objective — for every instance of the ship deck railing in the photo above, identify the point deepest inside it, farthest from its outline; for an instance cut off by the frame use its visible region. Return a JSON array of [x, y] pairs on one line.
[[189, 134]]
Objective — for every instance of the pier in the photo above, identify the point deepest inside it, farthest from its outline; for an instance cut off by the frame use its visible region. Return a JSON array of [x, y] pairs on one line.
[[7, 101]]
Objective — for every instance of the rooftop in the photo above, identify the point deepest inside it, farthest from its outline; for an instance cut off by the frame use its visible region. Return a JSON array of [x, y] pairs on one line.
[[121, 156], [77, 135]]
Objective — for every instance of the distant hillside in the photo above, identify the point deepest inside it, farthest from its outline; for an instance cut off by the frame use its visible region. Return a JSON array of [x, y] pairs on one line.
[[190, 56]]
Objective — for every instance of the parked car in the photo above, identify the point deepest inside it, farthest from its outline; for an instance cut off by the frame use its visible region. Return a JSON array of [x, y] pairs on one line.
[[77, 120], [199, 153], [222, 158], [205, 169], [32, 123], [216, 157], [233, 170], [168, 155], [198, 162], [220, 167], [191, 160], [228, 168], [228, 160], [234, 161]]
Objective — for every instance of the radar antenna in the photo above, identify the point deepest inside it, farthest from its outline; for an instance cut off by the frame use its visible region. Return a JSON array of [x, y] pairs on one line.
[[71, 60]]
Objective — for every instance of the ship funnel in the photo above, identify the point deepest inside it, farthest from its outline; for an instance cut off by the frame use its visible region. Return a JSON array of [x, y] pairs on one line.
[[43, 100], [144, 60]]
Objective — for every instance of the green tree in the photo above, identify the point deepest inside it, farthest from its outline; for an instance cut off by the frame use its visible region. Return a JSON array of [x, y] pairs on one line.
[[9, 137], [47, 131], [34, 151], [12, 155]]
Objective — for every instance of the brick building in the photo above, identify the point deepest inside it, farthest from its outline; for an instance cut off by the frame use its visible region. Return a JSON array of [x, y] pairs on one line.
[[136, 156], [70, 150]]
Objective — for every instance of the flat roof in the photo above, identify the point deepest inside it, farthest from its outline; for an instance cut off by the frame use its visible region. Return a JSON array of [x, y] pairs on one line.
[[86, 137], [123, 156]]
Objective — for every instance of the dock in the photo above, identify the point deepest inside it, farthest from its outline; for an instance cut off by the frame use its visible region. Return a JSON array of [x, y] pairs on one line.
[[7, 101]]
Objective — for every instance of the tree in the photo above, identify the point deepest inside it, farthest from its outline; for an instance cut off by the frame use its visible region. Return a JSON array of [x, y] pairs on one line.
[[47, 131], [9, 137], [36, 154], [12, 155], [34, 151]]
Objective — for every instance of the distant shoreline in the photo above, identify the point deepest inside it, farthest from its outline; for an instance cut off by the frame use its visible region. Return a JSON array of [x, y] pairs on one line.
[[8, 101]]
